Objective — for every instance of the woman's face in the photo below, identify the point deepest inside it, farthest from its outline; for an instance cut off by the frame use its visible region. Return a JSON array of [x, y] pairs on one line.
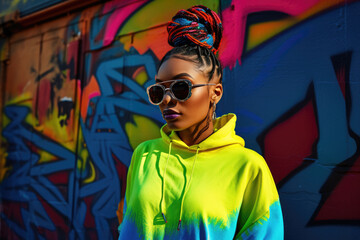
[[184, 115]]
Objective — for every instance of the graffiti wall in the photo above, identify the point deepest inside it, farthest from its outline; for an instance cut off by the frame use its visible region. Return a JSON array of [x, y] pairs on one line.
[[74, 107]]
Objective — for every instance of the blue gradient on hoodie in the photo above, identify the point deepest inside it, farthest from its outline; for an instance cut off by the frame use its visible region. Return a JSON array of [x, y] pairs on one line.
[[271, 228], [129, 230], [191, 230], [204, 230]]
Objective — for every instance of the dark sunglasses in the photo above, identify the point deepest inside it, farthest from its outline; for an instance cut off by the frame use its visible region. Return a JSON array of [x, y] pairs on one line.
[[180, 90]]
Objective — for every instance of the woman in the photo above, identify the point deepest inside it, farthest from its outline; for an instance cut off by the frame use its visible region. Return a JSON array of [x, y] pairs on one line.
[[197, 181]]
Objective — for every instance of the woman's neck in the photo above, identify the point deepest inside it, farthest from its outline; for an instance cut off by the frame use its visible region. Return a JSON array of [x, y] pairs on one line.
[[197, 133]]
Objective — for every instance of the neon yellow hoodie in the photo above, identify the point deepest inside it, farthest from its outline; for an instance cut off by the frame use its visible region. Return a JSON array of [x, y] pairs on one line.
[[218, 189]]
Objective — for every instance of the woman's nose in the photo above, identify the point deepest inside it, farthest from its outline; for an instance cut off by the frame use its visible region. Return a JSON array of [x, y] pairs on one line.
[[168, 98]]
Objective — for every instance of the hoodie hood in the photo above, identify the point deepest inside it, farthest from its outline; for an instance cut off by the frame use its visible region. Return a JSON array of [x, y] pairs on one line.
[[224, 134]]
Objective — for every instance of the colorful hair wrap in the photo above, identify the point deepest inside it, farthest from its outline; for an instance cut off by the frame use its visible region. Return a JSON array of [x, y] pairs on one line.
[[198, 25]]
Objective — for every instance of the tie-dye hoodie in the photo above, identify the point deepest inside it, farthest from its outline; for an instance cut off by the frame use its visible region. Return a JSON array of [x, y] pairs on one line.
[[217, 189]]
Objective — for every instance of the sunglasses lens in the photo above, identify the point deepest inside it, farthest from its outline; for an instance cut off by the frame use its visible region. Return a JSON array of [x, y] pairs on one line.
[[181, 90], [156, 94]]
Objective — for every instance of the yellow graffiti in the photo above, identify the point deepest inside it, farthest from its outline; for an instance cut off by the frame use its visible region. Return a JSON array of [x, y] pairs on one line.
[[23, 100], [260, 32], [140, 75], [141, 130], [84, 158], [52, 129], [3, 168], [145, 17], [91, 178], [45, 156], [5, 122]]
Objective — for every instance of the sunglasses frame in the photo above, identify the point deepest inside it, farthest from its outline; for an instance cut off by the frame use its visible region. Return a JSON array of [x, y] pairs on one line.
[[172, 95]]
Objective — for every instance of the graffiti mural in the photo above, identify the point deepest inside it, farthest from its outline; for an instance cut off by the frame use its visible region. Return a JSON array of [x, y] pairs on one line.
[[74, 107], [299, 111]]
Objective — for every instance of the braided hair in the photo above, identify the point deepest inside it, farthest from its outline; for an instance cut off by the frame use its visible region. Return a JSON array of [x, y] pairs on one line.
[[196, 34]]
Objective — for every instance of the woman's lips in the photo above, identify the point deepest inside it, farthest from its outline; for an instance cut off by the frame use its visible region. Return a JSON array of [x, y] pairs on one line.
[[170, 114]]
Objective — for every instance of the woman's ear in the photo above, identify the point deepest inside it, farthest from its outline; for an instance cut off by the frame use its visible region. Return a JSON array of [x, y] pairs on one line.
[[217, 93]]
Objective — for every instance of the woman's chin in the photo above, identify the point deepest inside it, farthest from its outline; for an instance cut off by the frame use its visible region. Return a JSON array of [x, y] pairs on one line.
[[174, 126]]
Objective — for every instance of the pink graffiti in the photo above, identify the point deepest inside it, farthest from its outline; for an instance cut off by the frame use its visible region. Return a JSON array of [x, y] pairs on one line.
[[118, 17], [93, 94], [234, 22]]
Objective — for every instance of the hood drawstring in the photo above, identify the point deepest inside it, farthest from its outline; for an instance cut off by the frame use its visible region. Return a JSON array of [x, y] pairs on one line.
[[186, 187]]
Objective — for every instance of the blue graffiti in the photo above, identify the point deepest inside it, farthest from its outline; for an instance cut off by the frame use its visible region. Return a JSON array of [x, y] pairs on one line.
[[275, 77], [27, 181], [104, 133]]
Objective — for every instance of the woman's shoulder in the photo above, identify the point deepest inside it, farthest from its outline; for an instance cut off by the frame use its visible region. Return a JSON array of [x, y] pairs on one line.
[[149, 144], [144, 148], [249, 157]]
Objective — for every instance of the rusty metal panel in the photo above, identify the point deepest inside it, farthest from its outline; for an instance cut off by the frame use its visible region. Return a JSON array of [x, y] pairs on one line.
[[22, 68], [56, 112]]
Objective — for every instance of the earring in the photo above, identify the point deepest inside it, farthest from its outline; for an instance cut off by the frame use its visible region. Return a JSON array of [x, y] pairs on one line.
[[214, 113]]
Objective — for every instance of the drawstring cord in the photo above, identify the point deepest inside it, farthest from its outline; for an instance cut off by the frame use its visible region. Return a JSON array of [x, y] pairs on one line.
[[187, 188], [163, 186]]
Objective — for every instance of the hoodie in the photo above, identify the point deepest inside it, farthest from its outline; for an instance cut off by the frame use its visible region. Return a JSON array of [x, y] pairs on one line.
[[217, 189]]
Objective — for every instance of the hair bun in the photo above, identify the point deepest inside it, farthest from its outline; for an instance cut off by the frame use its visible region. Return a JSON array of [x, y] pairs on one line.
[[198, 25]]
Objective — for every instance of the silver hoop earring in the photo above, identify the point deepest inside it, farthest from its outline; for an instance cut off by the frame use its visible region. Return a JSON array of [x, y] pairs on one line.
[[214, 113]]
